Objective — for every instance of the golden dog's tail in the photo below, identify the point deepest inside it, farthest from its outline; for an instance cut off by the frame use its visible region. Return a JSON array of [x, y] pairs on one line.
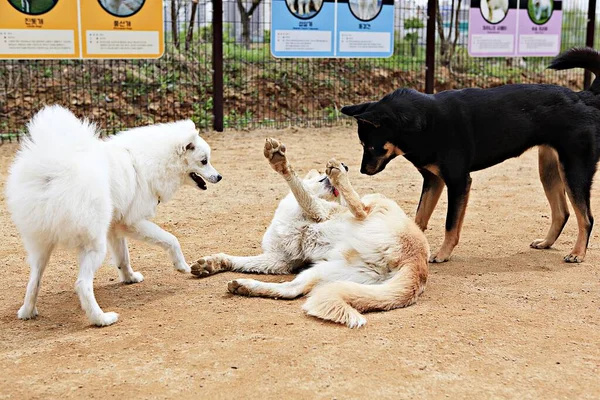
[[343, 301], [580, 57]]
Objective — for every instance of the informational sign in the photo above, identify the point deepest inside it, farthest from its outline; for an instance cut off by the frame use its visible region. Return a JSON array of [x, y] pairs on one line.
[[514, 28], [540, 23], [332, 28], [39, 29], [122, 28], [81, 29]]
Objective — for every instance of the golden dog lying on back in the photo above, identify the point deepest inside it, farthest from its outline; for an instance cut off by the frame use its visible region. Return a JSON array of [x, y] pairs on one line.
[[366, 254]]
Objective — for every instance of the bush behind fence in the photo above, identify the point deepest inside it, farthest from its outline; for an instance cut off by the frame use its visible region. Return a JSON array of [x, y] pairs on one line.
[[259, 90]]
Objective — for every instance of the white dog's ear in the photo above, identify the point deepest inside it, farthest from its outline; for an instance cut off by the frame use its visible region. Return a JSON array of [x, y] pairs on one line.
[[188, 124], [190, 143]]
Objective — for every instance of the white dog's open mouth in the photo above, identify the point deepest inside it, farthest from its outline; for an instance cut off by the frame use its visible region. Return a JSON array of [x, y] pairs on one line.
[[198, 180]]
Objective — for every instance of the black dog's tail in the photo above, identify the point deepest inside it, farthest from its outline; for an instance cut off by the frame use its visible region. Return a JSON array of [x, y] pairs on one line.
[[580, 57]]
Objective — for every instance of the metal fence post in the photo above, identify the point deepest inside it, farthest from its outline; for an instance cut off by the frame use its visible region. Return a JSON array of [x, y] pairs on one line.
[[217, 64], [589, 38], [430, 47]]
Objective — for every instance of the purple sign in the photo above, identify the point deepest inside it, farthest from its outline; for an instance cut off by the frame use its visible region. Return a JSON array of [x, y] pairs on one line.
[[511, 28], [540, 23]]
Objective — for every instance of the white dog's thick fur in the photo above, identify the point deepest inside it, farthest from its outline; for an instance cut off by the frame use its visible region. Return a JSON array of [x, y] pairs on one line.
[[68, 188], [366, 253]]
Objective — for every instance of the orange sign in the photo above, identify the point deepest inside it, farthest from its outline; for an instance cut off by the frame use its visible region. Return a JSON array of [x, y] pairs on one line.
[[39, 29], [81, 29], [122, 28]]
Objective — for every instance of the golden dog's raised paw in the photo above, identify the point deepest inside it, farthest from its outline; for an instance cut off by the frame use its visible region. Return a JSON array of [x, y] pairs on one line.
[[335, 170], [274, 151]]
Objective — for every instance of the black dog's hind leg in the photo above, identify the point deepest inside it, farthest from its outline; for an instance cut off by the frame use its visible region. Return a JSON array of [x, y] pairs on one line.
[[433, 186], [458, 197], [554, 187], [578, 177]]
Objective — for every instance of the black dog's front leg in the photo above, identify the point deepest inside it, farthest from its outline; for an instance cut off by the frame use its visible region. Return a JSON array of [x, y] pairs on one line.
[[433, 186], [458, 197]]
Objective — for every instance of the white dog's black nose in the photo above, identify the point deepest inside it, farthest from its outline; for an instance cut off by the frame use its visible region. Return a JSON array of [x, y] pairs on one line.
[[219, 177]]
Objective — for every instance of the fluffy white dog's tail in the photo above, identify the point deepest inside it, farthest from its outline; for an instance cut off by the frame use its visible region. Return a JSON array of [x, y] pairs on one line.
[[55, 126], [342, 301]]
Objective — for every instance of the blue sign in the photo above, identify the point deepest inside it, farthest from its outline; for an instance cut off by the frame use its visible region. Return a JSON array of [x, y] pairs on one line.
[[332, 28]]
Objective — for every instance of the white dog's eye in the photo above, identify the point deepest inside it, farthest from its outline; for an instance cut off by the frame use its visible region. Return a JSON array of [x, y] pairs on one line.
[[190, 146], [204, 162]]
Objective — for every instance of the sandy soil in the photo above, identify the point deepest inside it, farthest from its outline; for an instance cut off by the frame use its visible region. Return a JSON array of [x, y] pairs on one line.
[[500, 320]]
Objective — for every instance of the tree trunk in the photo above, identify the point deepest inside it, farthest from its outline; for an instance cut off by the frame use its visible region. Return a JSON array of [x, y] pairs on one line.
[[245, 19], [190, 32], [174, 29], [456, 34], [441, 34], [448, 43]]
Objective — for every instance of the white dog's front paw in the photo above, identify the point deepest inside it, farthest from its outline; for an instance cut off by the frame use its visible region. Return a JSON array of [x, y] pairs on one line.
[[136, 277], [27, 313], [181, 266], [105, 319]]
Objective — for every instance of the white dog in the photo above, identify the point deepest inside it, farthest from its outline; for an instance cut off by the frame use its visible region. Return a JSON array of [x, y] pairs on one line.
[[68, 188], [304, 6], [497, 5], [540, 6], [26, 6], [122, 7], [367, 9], [366, 253]]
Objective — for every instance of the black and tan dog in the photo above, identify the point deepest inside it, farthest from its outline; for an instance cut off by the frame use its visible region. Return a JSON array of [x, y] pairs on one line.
[[452, 133]]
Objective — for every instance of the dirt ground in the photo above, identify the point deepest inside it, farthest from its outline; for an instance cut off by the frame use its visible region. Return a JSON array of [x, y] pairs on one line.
[[500, 320]]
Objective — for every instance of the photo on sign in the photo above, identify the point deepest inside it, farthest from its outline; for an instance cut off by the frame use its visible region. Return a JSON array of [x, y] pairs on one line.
[[122, 8], [365, 10], [540, 11], [494, 11], [304, 9], [33, 7]]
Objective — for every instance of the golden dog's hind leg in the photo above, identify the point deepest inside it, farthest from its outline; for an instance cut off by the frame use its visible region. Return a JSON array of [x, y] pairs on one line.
[[260, 264], [339, 178], [302, 284], [274, 151]]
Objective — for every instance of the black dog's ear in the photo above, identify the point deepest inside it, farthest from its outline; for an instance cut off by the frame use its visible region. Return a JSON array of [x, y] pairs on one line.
[[371, 117], [352, 111]]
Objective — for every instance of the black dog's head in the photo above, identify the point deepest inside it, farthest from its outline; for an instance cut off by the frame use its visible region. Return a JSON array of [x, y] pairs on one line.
[[389, 127]]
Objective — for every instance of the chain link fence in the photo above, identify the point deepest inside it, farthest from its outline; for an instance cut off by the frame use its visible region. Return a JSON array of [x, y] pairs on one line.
[[259, 90]]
